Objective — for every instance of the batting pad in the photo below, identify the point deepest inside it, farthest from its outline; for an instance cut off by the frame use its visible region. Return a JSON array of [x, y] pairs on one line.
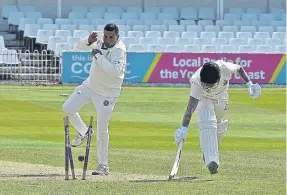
[[221, 129], [208, 144], [208, 133]]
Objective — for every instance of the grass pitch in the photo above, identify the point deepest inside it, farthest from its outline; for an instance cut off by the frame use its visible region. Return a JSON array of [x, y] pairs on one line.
[[142, 149]]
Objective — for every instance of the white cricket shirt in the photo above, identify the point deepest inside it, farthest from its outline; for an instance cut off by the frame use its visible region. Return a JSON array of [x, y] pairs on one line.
[[107, 70], [220, 92]]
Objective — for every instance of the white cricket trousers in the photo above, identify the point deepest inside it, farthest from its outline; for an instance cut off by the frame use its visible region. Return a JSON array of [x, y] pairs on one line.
[[210, 114], [104, 107]]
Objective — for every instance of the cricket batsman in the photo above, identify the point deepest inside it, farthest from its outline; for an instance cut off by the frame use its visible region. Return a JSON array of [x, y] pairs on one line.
[[209, 100], [102, 88]]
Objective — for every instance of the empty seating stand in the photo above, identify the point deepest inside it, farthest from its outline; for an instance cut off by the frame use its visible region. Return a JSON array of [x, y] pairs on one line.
[[159, 28]]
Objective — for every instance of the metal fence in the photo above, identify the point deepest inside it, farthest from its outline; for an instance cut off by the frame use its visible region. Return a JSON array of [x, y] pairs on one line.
[[30, 67]]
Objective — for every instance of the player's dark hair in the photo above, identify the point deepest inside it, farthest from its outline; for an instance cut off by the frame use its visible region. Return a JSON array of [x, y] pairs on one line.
[[112, 27], [210, 73]]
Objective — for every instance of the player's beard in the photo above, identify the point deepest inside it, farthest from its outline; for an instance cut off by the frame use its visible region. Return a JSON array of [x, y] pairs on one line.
[[110, 44], [209, 87]]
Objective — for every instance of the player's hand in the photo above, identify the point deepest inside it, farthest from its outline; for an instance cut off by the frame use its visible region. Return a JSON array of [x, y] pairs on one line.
[[96, 51], [92, 38], [180, 135], [254, 90]]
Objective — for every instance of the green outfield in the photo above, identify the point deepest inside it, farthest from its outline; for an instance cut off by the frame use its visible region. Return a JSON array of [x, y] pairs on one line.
[[142, 149]]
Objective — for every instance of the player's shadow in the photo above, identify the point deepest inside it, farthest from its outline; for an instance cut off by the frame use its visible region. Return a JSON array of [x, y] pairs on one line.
[[179, 179]]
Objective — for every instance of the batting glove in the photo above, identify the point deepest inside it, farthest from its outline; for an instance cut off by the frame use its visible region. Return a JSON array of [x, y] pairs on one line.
[[254, 89], [180, 134]]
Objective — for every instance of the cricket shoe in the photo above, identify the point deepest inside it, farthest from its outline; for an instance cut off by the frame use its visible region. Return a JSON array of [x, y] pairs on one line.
[[79, 139], [212, 167], [101, 170]]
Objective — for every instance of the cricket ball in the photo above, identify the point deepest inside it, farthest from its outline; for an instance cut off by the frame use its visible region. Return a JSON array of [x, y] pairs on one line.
[[81, 158]]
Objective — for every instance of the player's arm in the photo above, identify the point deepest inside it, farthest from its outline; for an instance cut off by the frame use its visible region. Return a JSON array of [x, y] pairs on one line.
[[235, 68], [191, 106], [180, 134], [116, 66], [87, 44], [254, 89], [242, 73]]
